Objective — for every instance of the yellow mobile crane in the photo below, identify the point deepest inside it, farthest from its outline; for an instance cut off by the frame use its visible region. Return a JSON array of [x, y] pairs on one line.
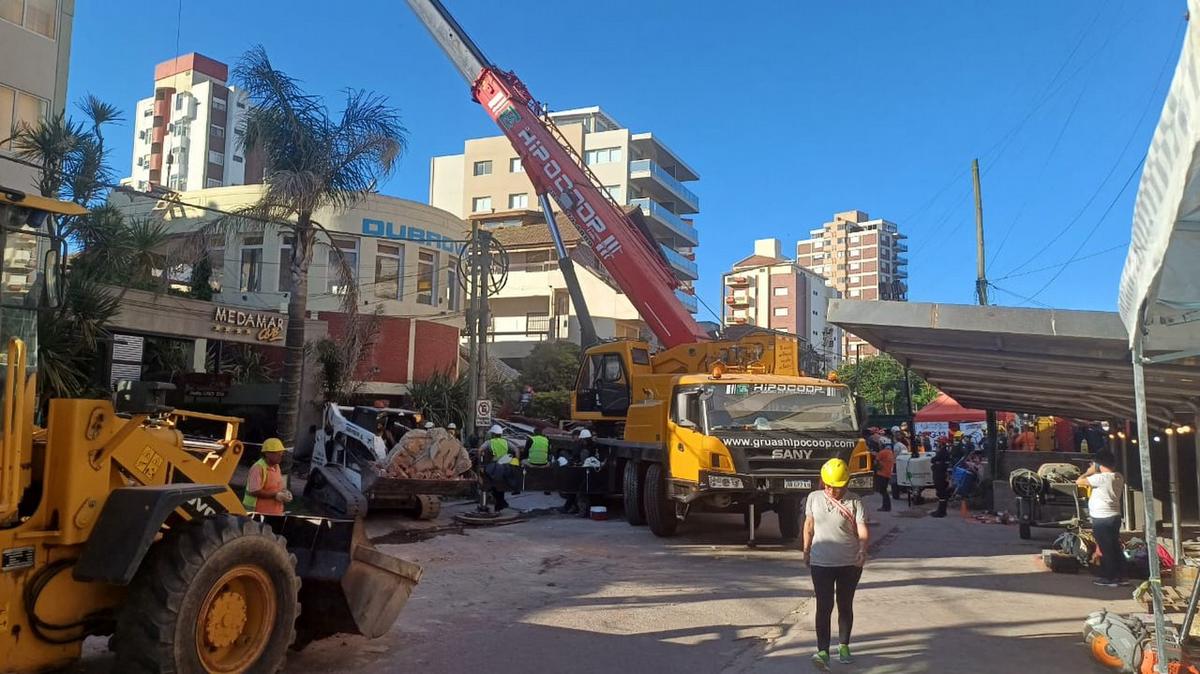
[[113, 522], [701, 423]]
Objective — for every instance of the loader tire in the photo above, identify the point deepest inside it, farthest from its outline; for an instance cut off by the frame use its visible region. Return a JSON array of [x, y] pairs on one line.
[[428, 507], [660, 510], [634, 487], [218, 595], [789, 511]]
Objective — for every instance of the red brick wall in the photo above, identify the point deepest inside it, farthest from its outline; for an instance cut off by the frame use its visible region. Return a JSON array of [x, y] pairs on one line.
[[436, 348]]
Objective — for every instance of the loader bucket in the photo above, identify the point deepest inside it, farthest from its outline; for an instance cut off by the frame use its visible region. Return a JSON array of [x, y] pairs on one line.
[[347, 586]]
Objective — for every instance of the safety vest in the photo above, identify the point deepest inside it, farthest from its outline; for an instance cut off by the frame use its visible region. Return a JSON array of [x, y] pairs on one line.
[[499, 448], [272, 479], [539, 450]]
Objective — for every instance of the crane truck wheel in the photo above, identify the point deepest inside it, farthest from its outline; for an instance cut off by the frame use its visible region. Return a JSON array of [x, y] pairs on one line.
[[219, 595], [634, 487], [789, 511], [660, 510]]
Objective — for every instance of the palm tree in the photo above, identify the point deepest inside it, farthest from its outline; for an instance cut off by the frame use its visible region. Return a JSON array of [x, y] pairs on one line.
[[312, 161]]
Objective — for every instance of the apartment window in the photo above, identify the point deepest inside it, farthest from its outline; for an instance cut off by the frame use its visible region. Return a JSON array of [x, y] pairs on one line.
[[18, 109], [481, 204], [218, 131], [285, 264], [855, 237], [780, 292], [219, 104], [855, 265], [212, 182], [343, 262], [780, 311], [604, 155], [426, 277], [514, 165], [237, 159], [452, 288], [614, 191], [518, 200], [818, 243], [39, 16], [216, 262], [251, 264], [217, 158], [148, 112], [483, 168], [389, 261]]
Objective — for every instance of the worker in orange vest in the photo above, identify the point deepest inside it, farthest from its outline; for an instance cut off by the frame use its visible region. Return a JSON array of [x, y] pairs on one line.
[[265, 490]]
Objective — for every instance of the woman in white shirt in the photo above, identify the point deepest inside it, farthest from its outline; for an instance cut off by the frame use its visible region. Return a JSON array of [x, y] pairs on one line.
[[1104, 507]]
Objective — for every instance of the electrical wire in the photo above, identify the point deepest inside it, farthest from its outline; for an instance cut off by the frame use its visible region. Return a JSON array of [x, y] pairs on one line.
[[1116, 164], [1019, 296], [1128, 181], [1056, 265]]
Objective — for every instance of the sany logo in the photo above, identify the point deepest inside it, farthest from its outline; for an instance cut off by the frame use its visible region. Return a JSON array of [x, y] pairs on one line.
[[569, 196]]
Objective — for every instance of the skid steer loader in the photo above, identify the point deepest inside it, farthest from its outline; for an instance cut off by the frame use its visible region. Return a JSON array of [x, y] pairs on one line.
[[114, 522]]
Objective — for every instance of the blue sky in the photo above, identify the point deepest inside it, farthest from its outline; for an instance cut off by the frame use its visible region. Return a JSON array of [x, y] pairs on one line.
[[790, 111]]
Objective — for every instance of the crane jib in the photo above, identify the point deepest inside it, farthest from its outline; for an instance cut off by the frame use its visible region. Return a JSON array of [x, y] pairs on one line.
[[638, 269]]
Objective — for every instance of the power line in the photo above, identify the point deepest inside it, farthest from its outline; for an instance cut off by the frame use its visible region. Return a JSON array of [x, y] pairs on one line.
[[1116, 164], [1066, 262], [1092, 231], [1020, 296]]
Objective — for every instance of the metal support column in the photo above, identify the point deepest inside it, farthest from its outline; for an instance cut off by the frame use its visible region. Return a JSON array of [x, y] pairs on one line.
[[1173, 491], [1139, 391]]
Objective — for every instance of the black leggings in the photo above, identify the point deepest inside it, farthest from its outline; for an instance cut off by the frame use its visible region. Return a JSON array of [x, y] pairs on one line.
[[840, 582]]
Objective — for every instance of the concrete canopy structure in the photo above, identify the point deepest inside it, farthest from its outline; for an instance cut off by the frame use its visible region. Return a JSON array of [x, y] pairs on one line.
[[1046, 361]]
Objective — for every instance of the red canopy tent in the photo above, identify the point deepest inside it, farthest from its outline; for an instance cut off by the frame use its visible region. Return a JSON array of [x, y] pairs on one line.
[[945, 408]]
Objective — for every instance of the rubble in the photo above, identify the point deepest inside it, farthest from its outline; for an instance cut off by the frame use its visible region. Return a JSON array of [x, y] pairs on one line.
[[425, 454]]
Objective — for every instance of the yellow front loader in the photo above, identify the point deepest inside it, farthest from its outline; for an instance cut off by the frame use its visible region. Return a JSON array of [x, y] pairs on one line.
[[114, 522]]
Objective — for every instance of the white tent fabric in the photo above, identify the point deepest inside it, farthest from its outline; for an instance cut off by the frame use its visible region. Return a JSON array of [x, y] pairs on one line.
[[1162, 268]]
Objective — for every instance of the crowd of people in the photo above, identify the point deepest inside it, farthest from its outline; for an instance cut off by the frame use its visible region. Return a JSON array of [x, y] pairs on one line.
[[502, 458]]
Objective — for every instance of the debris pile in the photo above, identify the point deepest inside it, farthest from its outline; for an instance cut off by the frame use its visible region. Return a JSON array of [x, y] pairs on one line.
[[426, 454]]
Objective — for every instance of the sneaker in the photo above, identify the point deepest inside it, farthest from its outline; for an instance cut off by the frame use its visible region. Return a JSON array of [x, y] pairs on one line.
[[1122, 583], [820, 660], [844, 656], [1104, 582]]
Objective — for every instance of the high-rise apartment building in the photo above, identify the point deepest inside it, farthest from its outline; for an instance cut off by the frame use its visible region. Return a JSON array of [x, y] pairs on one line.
[[637, 169], [187, 136], [35, 48], [860, 257], [769, 291]]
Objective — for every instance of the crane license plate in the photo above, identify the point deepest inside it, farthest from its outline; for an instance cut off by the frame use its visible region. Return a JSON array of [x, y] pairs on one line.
[[797, 484]]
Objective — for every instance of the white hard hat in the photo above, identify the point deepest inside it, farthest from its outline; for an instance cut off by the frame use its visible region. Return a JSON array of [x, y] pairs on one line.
[[591, 462], [452, 426], [585, 434], [495, 429], [428, 424]]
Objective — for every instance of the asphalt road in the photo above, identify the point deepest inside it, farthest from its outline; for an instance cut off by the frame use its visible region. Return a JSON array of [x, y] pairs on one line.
[[559, 594]]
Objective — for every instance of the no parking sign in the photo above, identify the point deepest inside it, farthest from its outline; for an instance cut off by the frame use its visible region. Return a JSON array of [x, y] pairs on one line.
[[483, 413]]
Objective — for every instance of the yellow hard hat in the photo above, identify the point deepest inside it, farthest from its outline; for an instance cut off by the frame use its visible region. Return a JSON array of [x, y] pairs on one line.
[[835, 473], [273, 445]]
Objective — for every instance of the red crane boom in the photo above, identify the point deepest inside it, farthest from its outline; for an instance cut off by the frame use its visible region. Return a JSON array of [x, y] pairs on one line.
[[555, 170]]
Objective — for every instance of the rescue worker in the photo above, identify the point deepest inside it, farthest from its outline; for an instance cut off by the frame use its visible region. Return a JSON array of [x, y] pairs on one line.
[[265, 490], [940, 466], [496, 456], [452, 429], [574, 502], [539, 451]]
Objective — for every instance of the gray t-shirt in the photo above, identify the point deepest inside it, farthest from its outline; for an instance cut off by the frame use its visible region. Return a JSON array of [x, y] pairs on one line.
[[835, 537]]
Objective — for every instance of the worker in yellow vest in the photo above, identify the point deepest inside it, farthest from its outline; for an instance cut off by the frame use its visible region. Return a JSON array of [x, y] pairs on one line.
[[265, 490], [539, 451], [497, 458]]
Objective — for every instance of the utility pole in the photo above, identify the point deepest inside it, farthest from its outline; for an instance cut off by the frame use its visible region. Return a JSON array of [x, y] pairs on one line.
[[981, 284], [484, 269], [981, 292], [472, 283]]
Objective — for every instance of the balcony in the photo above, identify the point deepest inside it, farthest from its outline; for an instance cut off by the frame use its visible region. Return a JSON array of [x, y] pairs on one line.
[[658, 214], [738, 281], [737, 300], [901, 247], [688, 301], [652, 179], [523, 328], [901, 261], [684, 268]]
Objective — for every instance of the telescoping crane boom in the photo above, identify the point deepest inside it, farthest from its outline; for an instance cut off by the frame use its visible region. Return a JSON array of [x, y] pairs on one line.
[[555, 170]]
